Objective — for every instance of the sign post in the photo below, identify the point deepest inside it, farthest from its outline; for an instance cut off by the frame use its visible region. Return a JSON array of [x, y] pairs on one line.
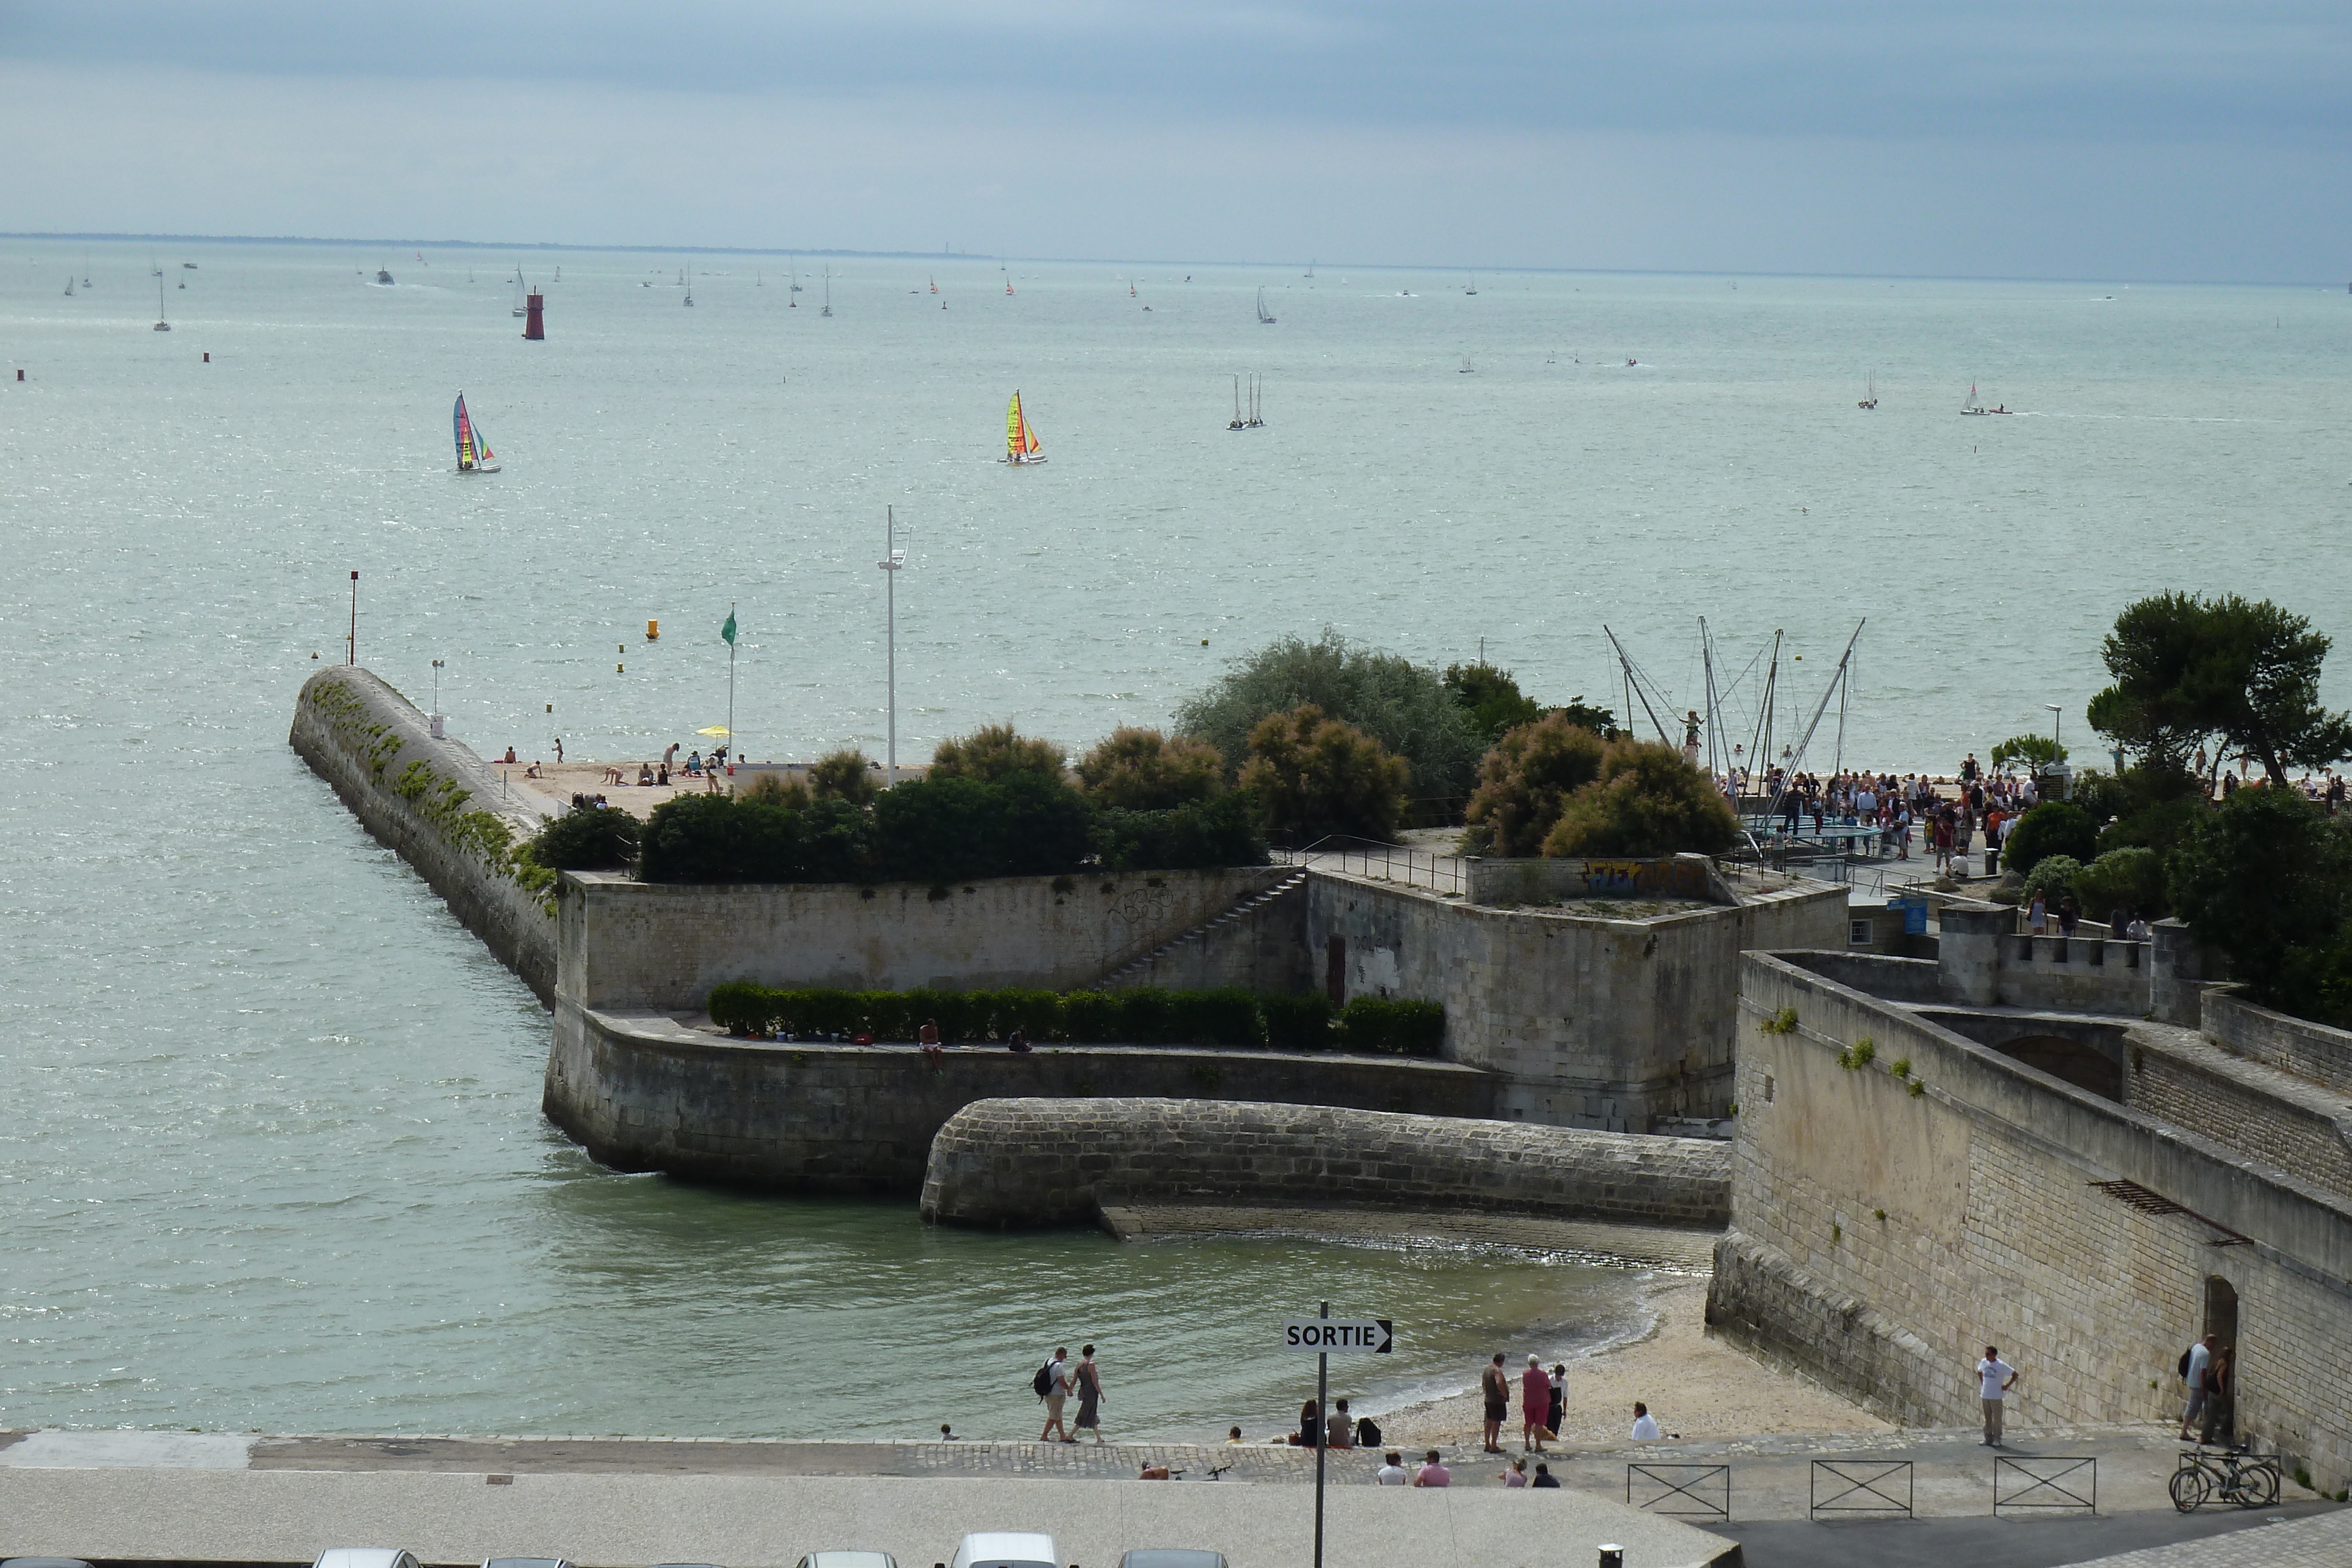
[[1324, 1334]]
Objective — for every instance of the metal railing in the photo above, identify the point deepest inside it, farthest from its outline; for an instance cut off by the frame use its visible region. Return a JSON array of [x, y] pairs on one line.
[[1378, 862], [1680, 1491], [1861, 1487], [2044, 1482]]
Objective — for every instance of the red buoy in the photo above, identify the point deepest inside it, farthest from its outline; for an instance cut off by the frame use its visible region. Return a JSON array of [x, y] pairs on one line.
[[534, 326], [208, 356]]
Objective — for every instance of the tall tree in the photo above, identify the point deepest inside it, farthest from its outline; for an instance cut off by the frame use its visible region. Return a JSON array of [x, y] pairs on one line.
[[2222, 673]]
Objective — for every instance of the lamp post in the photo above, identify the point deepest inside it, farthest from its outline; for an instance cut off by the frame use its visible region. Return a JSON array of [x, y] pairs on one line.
[[893, 561], [2055, 712], [351, 643], [435, 724]]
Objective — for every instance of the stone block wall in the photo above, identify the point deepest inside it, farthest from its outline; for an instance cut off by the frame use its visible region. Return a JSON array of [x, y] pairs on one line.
[[436, 804], [1260, 944], [626, 944], [642, 1092], [1587, 1022], [2307, 1050], [1042, 1162], [2082, 974], [2246, 1106], [1881, 1237]]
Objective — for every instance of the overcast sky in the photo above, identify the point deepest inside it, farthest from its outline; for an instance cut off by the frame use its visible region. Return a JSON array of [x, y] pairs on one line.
[[2125, 138]]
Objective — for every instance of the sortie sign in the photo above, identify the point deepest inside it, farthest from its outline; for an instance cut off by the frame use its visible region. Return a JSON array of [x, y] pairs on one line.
[[1329, 1336]]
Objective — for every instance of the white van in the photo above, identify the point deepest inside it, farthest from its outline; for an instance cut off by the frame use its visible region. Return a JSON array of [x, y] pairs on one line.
[[1007, 1549]]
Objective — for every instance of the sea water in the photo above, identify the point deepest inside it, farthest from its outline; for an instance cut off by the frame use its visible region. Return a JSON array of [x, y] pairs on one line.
[[273, 1157]]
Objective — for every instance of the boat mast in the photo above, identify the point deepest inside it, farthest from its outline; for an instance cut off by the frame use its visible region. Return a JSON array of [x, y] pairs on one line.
[[1635, 688]]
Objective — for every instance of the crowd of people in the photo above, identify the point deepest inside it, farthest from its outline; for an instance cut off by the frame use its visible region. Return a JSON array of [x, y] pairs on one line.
[[1941, 815]]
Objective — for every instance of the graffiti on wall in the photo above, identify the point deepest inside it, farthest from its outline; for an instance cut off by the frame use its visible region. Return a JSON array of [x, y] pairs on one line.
[[1651, 878]]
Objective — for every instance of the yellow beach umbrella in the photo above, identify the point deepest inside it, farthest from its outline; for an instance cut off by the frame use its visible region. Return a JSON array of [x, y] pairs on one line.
[[719, 729]]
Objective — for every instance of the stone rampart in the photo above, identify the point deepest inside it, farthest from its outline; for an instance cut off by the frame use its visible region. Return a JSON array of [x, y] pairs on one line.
[[1587, 1021], [1015, 1162], [626, 944], [1260, 945], [436, 804], [2307, 1050], [1885, 1228], [643, 1091]]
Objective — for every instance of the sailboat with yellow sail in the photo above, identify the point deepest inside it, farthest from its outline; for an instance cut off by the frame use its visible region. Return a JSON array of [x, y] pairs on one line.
[[474, 453], [1020, 440]]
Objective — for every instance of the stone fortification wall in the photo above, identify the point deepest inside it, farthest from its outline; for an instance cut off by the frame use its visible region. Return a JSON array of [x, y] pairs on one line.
[[2280, 1121], [436, 804], [626, 944], [1502, 883], [1881, 1237], [1587, 1022], [1896, 979], [1260, 944], [643, 1091], [2307, 1050], [1988, 962], [1045, 1161]]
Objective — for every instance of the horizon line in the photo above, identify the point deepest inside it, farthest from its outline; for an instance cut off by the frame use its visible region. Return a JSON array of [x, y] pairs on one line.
[[2327, 284]]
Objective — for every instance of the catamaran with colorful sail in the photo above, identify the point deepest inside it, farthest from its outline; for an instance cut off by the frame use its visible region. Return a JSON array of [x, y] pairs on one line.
[[1020, 441], [474, 453]]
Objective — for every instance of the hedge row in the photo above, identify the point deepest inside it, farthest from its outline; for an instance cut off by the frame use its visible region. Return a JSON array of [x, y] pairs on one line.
[[1146, 1015]]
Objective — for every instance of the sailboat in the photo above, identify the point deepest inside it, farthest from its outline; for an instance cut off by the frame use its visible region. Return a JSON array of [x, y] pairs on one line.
[[1264, 319], [1467, 369], [1238, 423], [1473, 290], [474, 453], [1255, 421], [85, 269], [1973, 406], [70, 285], [1310, 269], [161, 324], [520, 310], [1008, 285], [795, 262], [1020, 441], [935, 284], [828, 290], [154, 267], [689, 286], [1870, 397]]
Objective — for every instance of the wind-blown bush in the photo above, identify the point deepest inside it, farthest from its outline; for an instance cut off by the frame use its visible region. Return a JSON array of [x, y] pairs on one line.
[[996, 752], [2053, 877], [587, 838], [1313, 777], [1196, 837], [2053, 828], [1524, 783], [1491, 698], [1403, 706], [1647, 801], [847, 775], [1143, 770]]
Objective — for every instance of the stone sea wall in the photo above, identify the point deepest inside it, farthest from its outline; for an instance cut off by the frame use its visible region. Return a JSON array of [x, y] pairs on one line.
[[1015, 1162], [643, 1091], [2307, 1050], [1881, 1234], [438, 806]]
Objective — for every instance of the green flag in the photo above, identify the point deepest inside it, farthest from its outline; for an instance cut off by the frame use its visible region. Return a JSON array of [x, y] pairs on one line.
[[727, 633]]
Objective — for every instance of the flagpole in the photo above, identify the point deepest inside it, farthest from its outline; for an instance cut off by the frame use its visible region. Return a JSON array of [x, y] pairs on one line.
[[893, 559], [733, 750]]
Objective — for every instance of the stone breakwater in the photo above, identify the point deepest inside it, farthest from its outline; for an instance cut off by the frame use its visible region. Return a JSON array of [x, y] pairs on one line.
[[1053, 1162], [436, 805]]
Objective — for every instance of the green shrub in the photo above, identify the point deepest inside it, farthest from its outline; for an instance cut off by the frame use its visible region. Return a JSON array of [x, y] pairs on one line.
[[717, 839], [1313, 777], [1229, 1016], [848, 775], [2036, 751], [1647, 801], [961, 828], [1197, 836], [1143, 770], [2053, 828], [740, 1008], [996, 752], [1493, 700], [587, 838], [2130, 878], [1524, 782], [2053, 877], [1375, 1025], [775, 789], [2267, 878], [1299, 1022]]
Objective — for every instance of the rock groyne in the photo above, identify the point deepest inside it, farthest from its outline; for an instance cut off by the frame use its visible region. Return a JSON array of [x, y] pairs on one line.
[[436, 805], [1026, 1162]]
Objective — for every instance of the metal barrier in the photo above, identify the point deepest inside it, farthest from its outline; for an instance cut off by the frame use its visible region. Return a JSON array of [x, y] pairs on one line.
[[1682, 1492], [1382, 863], [2045, 1483], [1861, 1487]]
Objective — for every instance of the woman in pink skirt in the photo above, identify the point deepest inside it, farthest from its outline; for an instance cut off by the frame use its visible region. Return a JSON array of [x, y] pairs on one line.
[[1535, 1405]]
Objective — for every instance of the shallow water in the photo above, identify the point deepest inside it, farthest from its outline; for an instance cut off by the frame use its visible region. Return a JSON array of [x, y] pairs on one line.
[[274, 1159]]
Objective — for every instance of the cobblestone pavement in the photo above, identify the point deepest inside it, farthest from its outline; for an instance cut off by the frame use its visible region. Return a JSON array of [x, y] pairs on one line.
[[2324, 1542]]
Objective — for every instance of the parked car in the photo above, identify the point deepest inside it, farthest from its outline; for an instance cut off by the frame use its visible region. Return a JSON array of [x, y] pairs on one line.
[[509, 1562], [365, 1557], [1005, 1549], [849, 1559], [1172, 1557], [43, 1562]]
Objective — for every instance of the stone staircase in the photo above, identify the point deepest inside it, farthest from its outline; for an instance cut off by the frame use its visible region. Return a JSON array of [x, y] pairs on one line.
[[1239, 923]]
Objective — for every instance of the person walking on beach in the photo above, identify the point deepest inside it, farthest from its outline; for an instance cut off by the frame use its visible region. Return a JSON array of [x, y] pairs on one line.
[[1996, 1377], [1090, 1382], [1055, 1381], [1496, 1388], [1535, 1405], [1558, 1398]]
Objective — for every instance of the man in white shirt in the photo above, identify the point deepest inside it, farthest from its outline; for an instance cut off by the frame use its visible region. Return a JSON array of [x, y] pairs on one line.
[[1393, 1473], [1996, 1377], [1057, 1390], [2200, 1356], [1645, 1426]]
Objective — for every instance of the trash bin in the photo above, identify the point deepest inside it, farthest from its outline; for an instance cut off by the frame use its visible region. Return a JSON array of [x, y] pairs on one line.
[[1992, 862]]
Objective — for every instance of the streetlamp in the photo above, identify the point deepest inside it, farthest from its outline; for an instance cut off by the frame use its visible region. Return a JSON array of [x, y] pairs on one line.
[[435, 720], [2054, 712], [893, 561]]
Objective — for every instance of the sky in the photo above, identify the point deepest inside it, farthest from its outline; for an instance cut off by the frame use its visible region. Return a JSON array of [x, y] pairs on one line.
[[2091, 138]]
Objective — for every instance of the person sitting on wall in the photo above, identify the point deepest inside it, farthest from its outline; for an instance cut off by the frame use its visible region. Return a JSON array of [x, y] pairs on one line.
[[1017, 1042]]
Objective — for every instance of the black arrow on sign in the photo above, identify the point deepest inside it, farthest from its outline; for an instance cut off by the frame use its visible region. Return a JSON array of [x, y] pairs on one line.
[[1388, 1338]]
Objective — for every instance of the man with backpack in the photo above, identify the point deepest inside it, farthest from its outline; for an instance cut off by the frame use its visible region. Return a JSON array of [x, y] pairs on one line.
[[1052, 1385], [2193, 1362]]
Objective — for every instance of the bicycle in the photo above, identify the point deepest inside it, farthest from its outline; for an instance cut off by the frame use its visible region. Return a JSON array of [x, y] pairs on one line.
[[2247, 1480]]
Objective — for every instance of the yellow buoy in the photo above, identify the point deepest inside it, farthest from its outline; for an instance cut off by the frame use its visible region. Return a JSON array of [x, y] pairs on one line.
[[653, 631]]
